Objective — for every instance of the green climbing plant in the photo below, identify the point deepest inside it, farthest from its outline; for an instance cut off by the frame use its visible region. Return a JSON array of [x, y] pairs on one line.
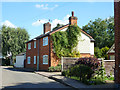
[[64, 42]]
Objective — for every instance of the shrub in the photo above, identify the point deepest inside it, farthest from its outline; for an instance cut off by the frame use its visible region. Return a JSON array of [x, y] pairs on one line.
[[51, 69], [93, 63], [55, 69], [81, 71]]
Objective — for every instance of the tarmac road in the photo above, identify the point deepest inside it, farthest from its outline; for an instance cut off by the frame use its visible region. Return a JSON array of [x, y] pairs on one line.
[[14, 78]]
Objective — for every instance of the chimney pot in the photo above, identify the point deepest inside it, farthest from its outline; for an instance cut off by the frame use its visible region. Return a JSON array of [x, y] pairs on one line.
[[72, 13]]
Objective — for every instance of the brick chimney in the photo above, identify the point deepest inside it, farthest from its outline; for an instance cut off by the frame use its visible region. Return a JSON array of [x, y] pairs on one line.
[[47, 27], [73, 19]]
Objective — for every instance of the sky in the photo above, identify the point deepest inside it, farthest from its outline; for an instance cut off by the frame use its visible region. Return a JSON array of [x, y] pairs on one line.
[[32, 15]]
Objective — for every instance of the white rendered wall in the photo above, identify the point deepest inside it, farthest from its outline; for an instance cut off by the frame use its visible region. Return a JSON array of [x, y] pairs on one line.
[[92, 48], [19, 61], [83, 44]]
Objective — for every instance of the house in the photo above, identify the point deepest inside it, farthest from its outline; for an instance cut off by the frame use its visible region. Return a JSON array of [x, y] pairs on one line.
[[39, 50], [111, 53], [20, 60]]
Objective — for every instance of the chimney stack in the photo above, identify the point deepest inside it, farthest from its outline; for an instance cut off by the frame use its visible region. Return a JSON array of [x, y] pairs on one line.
[[73, 19], [47, 27]]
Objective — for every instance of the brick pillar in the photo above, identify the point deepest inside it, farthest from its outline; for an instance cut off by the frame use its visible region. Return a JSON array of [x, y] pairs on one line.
[[117, 41]]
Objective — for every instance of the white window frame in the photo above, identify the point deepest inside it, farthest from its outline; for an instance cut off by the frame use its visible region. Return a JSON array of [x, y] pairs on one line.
[[44, 59], [34, 44], [28, 60], [34, 59], [45, 41], [29, 46]]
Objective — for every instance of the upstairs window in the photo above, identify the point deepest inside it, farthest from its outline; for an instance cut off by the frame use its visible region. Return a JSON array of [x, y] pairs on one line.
[[29, 45], [34, 44], [45, 59], [45, 41], [28, 60]]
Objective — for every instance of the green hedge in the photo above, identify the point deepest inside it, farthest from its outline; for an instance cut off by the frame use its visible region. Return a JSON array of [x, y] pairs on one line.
[[55, 69]]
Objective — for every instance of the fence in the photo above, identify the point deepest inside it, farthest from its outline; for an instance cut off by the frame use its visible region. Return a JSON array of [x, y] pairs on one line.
[[68, 62]]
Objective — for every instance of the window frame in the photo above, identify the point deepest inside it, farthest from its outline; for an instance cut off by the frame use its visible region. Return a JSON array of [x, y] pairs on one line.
[[28, 60], [45, 60], [34, 59], [29, 47], [45, 41], [34, 44]]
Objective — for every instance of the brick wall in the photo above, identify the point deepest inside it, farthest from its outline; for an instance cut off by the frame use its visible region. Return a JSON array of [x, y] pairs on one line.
[[43, 50], [32, 52], [117, 41]]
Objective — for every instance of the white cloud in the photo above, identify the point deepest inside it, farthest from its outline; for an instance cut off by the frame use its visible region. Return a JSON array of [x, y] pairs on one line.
[[45, 6], [8, 24], [53, 23]]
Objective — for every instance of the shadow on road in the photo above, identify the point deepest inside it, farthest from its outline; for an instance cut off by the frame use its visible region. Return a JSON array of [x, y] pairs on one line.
[[19, 69], [35, 86]]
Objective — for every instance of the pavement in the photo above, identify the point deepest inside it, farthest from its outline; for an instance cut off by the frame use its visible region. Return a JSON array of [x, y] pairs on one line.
[[70, 82]]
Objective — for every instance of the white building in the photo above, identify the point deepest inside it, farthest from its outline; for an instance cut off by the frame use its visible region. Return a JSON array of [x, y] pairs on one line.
[[20, 60]]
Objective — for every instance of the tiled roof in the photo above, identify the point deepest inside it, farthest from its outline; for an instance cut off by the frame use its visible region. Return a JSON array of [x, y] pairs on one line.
[[58, 29]]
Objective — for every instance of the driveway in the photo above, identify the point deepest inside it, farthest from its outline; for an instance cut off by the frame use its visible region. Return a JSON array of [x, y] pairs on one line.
[[13, 78]]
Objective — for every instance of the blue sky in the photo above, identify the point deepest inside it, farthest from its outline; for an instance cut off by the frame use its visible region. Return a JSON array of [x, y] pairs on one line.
[[27, 14]]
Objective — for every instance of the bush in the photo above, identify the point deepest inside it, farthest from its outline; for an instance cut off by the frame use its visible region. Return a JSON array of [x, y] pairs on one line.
[[55, 69], [81, 71], [93, 63]]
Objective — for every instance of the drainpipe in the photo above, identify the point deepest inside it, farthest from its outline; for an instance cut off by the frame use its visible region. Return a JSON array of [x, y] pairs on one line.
[[38, 56]]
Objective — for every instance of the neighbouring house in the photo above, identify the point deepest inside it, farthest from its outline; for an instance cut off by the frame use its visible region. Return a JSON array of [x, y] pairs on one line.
[[39, 50], [111, 53], [20, 60]]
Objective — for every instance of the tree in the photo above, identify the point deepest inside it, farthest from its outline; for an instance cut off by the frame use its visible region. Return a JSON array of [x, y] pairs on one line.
[[104, 52], [102, 31], [58, 25], [13, 40]]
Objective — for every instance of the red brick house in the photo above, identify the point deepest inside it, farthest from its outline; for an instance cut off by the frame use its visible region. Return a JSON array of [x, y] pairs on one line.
[[39, 51]]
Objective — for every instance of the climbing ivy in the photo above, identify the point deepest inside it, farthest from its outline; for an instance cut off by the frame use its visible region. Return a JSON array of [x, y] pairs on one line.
[[64, 42]]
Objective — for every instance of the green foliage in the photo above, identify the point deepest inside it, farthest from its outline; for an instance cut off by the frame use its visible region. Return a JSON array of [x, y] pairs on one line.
[[55, 69], [65, 41], [81, 71], [104, 52], [13, 40], [102, 31], [58, 25], [101, 53], [97, 52]]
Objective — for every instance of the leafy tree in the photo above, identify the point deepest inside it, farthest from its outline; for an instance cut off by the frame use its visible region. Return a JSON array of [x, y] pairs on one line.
[[102, 31], [104, 52], [58, 25], [13, 40], [97, 52]]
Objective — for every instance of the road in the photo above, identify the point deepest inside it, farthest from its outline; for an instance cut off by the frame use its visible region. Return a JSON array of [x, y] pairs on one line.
[[13, 78]]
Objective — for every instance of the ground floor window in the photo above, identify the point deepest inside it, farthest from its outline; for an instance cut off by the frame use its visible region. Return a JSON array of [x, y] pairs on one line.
[[28, 60], [34, 59], [45, 59]]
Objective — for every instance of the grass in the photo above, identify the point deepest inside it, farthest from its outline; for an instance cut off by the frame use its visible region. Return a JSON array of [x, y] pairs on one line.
[[93, 81]]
